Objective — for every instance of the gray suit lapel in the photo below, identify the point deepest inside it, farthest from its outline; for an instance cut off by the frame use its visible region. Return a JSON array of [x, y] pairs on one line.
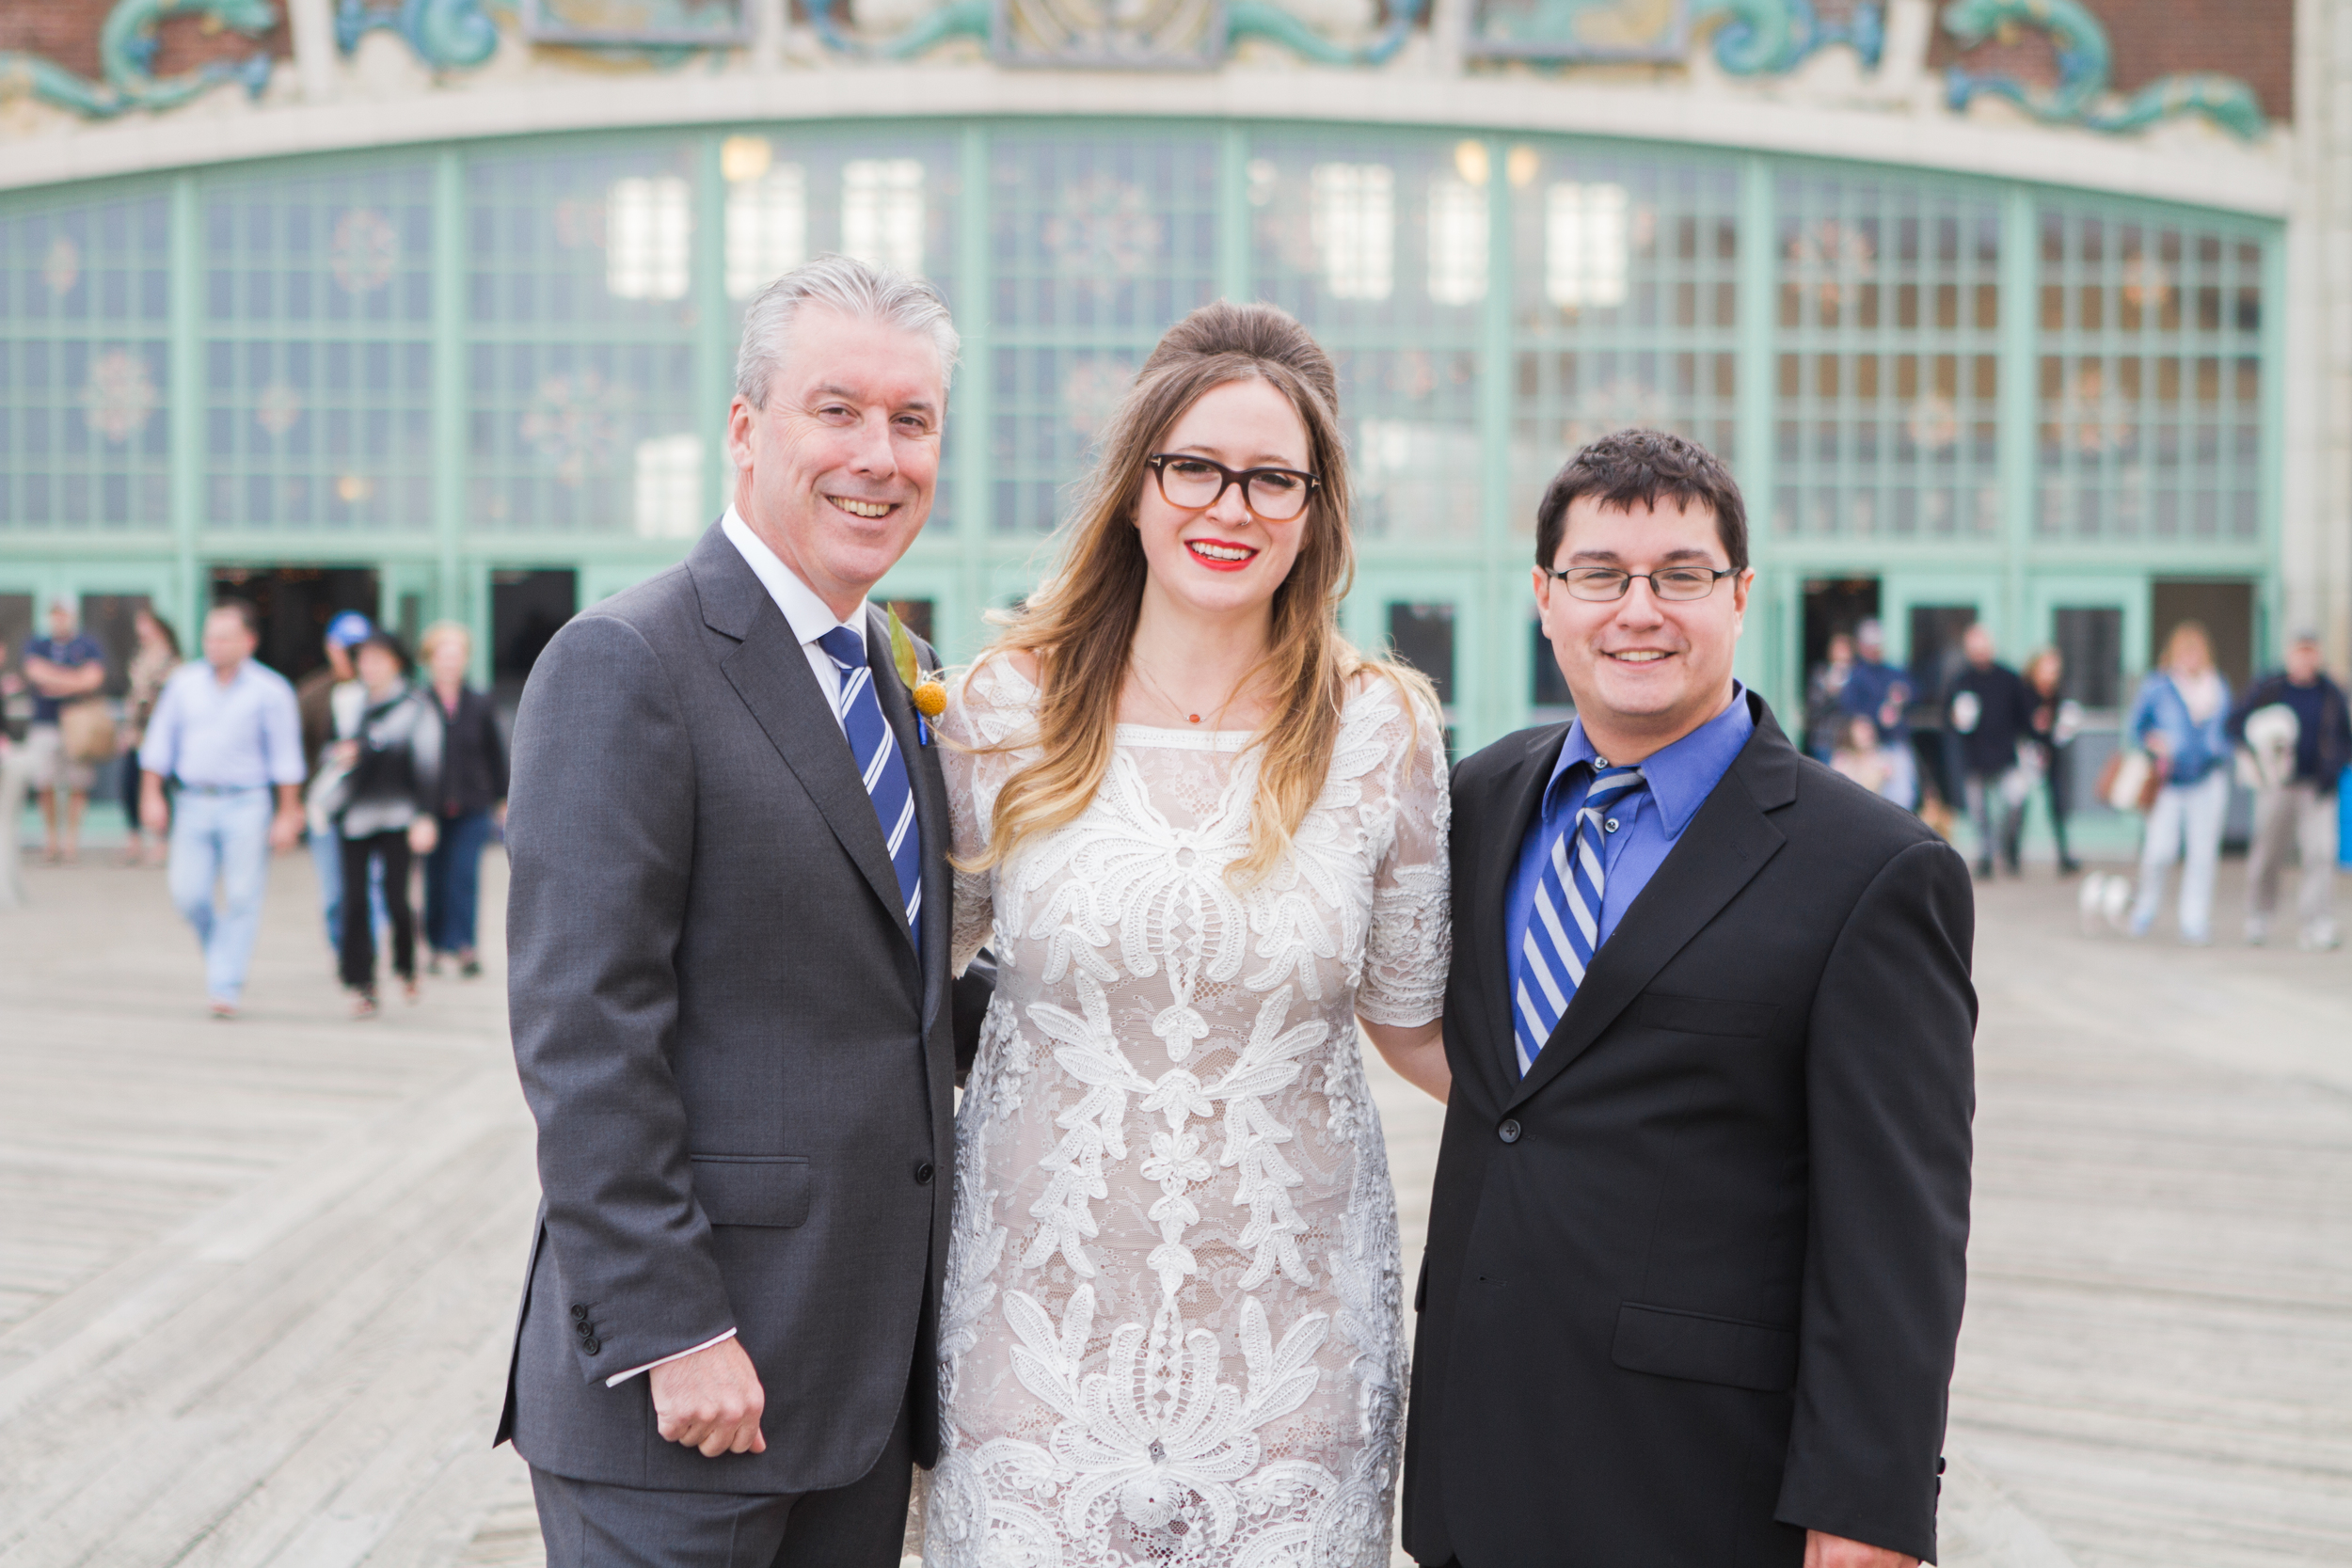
[[771, 674], [931, 810], [1726, 844]]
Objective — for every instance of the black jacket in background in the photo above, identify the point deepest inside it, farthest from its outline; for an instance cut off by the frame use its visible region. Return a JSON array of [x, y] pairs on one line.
[[1694, 1283], [473, 758], [2004, 705], [2319, 759]]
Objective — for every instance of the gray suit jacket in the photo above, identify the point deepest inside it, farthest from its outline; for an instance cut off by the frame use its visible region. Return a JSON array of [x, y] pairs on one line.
[[741, 1070]]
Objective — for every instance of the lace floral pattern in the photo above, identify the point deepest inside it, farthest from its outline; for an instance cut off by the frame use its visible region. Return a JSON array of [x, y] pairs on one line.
[[1173, 1329]]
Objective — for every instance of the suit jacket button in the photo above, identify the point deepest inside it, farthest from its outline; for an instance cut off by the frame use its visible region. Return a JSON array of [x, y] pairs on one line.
[[1508, 1131], [591, 1345], [922, 1173], [579, 1314], [587, 1331]]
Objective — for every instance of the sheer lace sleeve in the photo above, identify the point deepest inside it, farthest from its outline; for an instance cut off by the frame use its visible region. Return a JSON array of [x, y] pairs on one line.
[[987, 705], [1410, 945]]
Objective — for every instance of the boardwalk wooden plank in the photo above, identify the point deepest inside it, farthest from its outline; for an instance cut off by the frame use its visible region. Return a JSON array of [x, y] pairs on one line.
[[256, 1282]]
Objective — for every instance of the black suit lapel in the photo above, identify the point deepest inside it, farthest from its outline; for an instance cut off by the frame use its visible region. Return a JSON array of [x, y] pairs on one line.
[[931, 810], [1726, 844], [770, 674], [1516, 797]]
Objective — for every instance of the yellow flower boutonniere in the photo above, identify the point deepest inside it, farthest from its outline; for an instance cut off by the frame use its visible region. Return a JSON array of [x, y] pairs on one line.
[[928, 695]]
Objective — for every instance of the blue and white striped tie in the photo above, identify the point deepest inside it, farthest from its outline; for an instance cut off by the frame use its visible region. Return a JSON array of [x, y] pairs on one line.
[[885, 771], [1564, 925]]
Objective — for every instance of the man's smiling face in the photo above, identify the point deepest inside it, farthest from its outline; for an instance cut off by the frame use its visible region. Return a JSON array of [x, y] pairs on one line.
[[1644, 672], [837, 473]]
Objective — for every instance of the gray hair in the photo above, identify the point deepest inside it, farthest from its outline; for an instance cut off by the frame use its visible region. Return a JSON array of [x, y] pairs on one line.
[[855, 288]]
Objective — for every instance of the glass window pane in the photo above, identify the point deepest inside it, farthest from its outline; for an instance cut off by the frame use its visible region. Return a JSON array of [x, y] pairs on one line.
[[1625, 307], [318, 360], [1099, 244], [1889, 291], [1378, 244], [2134, 383], [85, 367]]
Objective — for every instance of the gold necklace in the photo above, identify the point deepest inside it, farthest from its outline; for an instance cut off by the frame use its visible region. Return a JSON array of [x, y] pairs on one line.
[[1160, 691]]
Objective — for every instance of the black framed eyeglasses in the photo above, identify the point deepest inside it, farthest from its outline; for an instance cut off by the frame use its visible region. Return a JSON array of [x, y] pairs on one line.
[[1196, 483], [1674, 584]]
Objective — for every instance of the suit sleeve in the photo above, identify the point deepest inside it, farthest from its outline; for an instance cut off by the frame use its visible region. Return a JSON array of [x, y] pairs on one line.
[[601, 839], [1890, 1089]]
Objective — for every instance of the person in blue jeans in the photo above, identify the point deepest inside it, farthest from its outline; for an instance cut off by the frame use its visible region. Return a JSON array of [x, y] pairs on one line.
[[2182, 717], [226, 733], [472, 793]]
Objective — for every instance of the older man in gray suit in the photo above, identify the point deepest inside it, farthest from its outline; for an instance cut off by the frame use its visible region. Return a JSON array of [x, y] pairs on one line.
[[728, 930]]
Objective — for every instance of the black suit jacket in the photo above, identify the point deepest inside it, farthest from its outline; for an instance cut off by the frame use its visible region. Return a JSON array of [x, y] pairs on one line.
[[1693, 1284], [741, 1067]]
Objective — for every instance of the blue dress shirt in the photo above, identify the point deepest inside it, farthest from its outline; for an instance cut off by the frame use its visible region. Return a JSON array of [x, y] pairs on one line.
[[247, 735], [1649, 821]]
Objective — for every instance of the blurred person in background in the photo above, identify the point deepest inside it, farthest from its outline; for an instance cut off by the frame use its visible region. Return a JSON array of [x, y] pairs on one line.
[[16, 777], [331, 700], [472, 794], [2056, 720], [2181, 717], [64, 669], [384, 810], [1991, 710], [1825, 726], [226, 734], [1859, 756], [1882, 692], [2297, 736], [153, 657]]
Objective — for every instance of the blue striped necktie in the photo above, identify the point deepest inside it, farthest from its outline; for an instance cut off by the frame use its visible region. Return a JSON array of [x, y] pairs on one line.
[[1564, 925], [876, 750]]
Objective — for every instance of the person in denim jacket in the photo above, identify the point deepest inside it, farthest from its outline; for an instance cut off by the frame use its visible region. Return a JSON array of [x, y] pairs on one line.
[[2181, 717]]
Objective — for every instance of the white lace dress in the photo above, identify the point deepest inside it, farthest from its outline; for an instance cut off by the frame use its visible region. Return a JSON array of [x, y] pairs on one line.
[[1173, 1333]]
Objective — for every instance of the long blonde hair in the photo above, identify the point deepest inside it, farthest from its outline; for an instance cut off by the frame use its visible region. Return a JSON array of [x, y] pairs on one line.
[[1080, 624]]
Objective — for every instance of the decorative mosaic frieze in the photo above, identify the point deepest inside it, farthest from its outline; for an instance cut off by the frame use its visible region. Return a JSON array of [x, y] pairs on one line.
[[126, 52]]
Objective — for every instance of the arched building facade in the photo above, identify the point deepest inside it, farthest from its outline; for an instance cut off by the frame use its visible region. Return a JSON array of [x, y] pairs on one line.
[[442, 322]]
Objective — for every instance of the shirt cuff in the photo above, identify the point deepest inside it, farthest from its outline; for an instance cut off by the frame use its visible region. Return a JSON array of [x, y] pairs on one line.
[[619, 1378]]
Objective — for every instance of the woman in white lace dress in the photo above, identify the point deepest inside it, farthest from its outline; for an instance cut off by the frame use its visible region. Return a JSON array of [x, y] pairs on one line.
[[1203, 838]]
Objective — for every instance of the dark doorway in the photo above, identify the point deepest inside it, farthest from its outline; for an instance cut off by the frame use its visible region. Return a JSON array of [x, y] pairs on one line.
[[1423, 636], [1936, 658], [295, 604], [916, 615], [113, 620], [527, 610], [2090, 648], [1547, 694], [1834, 605], [16, 629], [2225, 605], [1936, 631]]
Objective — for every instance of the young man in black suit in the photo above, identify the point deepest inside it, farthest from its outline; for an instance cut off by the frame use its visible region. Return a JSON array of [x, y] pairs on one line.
[[1696, 1251]]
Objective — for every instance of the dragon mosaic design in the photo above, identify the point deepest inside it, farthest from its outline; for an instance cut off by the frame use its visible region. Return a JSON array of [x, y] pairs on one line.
[[2085, 67], [126, 55], [1770, 37], [447, 35]]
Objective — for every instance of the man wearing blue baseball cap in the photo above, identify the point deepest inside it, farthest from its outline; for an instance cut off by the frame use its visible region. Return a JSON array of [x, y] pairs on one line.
[[321, 693]]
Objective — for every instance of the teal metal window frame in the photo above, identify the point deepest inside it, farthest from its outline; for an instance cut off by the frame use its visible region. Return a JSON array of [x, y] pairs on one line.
[[969, 565]]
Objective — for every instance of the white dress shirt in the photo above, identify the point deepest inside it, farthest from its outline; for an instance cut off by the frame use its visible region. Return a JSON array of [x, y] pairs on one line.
[[810, 620], [807, 613]]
